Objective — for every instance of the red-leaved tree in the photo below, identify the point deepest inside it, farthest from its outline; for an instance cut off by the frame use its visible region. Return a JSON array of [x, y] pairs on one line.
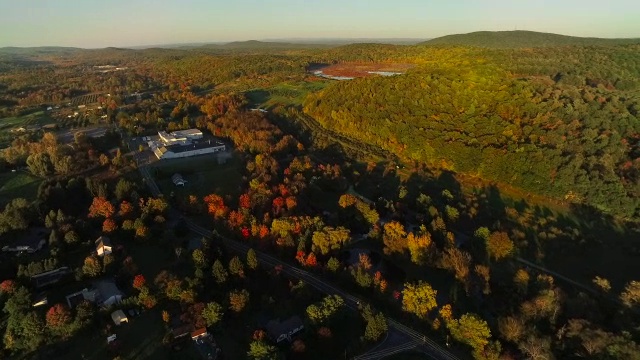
[[7, 287], [101, 207], [245, 201], [109, 226], [58, 318], [139, 281]]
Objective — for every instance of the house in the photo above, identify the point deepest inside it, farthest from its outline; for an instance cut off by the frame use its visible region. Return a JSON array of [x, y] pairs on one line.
[[103, 293], [181, 331], [205, 344], [28, 244], [281, 331], [119, 317], [50, 277], [107, 293], [78, 297], [49, 108], [178, 180], [103, 246], [199, 333]]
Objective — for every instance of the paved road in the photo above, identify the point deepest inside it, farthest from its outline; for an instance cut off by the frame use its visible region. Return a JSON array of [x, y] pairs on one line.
[[420, 341]]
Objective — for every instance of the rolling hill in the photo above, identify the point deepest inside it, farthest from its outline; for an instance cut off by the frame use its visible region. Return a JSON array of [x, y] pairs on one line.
[[522, 39]]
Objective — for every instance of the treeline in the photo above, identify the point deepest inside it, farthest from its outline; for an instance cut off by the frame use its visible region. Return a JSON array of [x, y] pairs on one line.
[[576, 139]]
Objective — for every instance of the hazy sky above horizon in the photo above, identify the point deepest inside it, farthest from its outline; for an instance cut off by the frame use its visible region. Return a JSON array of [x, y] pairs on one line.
[[100, 23]]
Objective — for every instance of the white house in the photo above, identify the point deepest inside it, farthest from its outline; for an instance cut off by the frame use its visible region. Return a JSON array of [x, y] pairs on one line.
[[103, 246], [119, 317]]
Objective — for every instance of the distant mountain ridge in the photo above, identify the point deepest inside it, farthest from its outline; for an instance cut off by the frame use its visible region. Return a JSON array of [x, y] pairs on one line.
[[522, 38]]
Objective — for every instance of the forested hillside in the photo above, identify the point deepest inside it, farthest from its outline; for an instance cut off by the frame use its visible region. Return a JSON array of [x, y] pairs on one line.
[[564, 124], [522, 39]]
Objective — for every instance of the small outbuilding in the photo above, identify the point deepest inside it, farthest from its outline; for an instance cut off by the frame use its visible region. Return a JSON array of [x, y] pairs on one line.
[[119, 317], [178, 180]]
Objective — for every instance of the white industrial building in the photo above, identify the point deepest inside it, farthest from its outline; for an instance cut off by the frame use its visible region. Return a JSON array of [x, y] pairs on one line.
[[184, 143]]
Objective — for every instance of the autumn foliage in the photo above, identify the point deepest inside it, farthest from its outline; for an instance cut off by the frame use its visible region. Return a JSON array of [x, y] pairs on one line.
[[7, 286], [58, 316], [215, 206], [101, 207], [109, 226], [139, 281]]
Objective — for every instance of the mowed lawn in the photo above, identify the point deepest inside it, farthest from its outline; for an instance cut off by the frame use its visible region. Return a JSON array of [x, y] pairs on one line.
[[6, 124], [141, 338], [286, 93], [204, 175], [18, 184]]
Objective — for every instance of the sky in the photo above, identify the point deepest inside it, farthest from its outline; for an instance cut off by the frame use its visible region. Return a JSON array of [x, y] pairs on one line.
[[102, 23]]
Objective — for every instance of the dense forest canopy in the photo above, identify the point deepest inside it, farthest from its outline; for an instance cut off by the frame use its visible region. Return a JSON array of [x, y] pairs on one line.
[[522, 39], [558, 122]]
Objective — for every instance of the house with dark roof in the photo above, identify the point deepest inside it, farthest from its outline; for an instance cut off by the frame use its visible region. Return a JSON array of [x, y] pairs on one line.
[[285, 330], [31, 242], [178, 180], [50, 277]]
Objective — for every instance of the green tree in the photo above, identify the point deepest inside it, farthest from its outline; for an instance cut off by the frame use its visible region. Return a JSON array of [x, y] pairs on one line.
[[71, 237], [91, 266], [199, 260], [321, 312], [124, 189], [333, 264], [260, 350], [32, 330], [219, 272], [40, 164], [17, 215], [212, 313], [252, 259], [419, 299], [376, 324], [236, 267], [470, 329]]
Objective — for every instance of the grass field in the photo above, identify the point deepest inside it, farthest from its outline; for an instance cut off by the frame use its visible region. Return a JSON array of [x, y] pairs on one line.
[[18, 184], [6, 124], [203, 175], [286, 93]]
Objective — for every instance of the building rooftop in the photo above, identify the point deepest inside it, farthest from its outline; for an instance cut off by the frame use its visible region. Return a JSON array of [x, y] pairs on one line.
[[276, 328], [188, 132], [178, 148], [103, 241]]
